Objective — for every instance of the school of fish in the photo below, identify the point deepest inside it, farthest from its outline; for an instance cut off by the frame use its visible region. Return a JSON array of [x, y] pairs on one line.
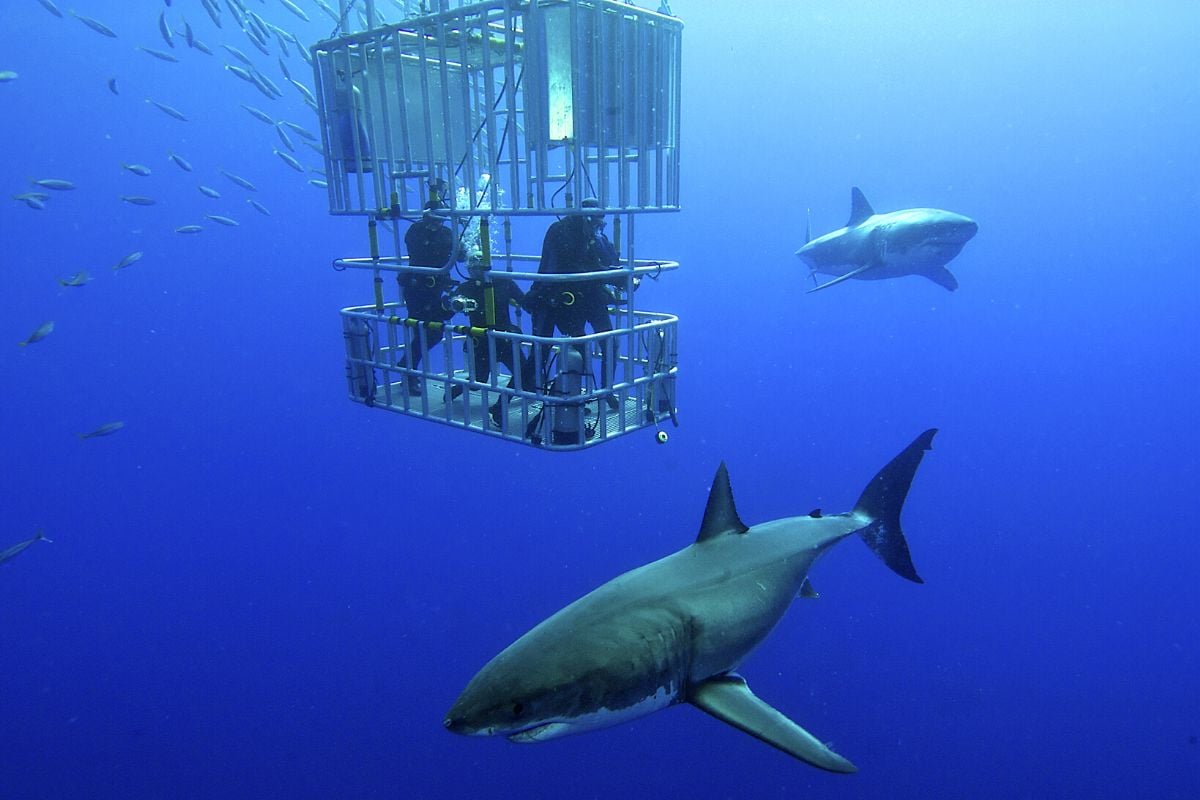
[[171, 38]]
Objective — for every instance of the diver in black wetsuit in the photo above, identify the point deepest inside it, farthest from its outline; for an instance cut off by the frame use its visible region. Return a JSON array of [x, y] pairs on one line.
[[575, 244], [430, 243], [506, 293]]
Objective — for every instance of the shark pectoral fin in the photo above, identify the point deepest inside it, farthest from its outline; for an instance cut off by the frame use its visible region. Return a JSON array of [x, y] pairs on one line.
[[807, 591], [851, 274], [943, 277], [729, 699]]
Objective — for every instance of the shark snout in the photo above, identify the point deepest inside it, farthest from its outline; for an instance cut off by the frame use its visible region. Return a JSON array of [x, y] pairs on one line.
[[456, 725]]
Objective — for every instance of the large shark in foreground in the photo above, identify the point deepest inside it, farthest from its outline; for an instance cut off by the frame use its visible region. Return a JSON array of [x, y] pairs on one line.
[[915, 241], [675, 630]]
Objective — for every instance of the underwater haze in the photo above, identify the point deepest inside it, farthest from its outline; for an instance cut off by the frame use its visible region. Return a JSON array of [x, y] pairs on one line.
[[259, 589]]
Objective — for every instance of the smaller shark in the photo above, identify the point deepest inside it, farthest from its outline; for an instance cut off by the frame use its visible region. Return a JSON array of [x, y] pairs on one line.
[[675, 630], [915, 241]]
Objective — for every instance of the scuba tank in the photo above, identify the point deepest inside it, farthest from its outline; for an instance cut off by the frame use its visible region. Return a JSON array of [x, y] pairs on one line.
[[566, 418], [360, 375]]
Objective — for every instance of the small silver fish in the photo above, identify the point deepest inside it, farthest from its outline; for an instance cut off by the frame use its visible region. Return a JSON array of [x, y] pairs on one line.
[[260, 43], [259, 207], [333, 15], [319, 183], [138, 200], [214, 13], [289, 160], [241, 72], [256, 39], [37, 204], [168, 110], [202, 47], [106, 429], [96, 25], [227, 221], [238, 54], [137, 169], [49, 6], [304, 90], [288, 35], [300, 131], [283, 137], [165, 29], [31, 196], [240, 181], [78, 279], [132, 258], [180, 161], [295, 9], [262, 116], [7, 75], [269, 86], [56, 184], [159, 54], [189, 229], [112, 86], [261, 30], [208, 191], [9, 553], [188, 36], [44, 330]]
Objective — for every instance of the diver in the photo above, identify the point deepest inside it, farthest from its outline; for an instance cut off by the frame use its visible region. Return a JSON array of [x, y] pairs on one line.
[[505, 294], [430, 243], [572, 245]]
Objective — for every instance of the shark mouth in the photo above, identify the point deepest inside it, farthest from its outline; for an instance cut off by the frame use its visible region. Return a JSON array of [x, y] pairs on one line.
[[602, 717], [542, 733]]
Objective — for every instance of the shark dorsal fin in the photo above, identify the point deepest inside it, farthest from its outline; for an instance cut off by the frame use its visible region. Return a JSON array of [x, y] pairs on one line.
[[720, 516], [860, 209]]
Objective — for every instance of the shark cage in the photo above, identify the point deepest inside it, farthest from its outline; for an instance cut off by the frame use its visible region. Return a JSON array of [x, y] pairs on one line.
[[492, 119]]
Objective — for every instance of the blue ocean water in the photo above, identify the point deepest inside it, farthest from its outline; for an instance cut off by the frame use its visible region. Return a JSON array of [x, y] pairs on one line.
[[258, 589]]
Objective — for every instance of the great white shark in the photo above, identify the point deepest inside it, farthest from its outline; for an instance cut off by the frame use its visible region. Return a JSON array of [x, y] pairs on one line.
[[915, 241], [675, 630]]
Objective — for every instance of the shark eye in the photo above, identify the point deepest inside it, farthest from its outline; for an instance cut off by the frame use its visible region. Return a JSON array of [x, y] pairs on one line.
[[518, 709]]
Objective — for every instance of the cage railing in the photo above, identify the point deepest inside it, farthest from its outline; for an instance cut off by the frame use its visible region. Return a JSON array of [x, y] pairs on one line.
[[556, 393]]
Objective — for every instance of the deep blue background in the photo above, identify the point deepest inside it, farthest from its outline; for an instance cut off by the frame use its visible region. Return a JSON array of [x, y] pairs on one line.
[[258, 589]]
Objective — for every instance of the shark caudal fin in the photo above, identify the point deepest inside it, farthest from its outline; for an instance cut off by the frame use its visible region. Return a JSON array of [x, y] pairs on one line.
[[881, 502]]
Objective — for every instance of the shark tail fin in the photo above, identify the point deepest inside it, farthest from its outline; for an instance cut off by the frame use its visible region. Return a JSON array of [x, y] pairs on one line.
[[881, 502]]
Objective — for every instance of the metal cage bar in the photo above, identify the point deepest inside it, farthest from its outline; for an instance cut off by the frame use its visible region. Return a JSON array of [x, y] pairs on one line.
[[427, 93]]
